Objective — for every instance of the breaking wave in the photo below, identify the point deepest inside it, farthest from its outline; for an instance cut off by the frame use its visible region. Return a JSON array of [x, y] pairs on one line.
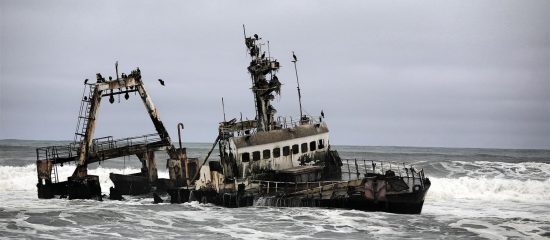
[[489, 189], [479, 169], [442, 189], [25, 179]]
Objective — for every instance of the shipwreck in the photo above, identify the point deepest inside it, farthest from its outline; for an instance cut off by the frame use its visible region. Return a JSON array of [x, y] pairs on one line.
[[270, 160], [85, 150], [278, 161]]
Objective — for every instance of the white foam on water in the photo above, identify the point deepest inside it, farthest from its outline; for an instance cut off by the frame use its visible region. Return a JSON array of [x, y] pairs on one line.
[[442, 189], [521, 170], [489, 189], [25, 178]]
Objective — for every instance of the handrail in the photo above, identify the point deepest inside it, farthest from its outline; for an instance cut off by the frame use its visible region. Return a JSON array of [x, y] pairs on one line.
[[98, 145], [360, 166], [282, 122]]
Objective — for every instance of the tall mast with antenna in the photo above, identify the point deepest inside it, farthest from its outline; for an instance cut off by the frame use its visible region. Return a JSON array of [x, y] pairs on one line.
[[264, 89], [298, 82]]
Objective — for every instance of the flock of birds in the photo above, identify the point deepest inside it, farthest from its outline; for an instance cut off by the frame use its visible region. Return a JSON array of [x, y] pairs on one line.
[[110, 78], [162, 81]]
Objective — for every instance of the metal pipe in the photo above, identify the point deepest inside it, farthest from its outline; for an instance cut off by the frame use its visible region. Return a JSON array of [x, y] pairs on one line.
[[180, 127], [349, 171], [298, 82]]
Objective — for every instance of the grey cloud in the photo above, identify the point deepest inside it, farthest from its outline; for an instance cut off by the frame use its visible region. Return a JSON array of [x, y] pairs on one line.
[[436, 73]]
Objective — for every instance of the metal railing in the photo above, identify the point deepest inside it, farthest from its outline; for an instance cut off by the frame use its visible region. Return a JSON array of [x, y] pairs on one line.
[[358, 168], [107, 143], [56, 152], [289, 122], [276, 186], [98, 145]]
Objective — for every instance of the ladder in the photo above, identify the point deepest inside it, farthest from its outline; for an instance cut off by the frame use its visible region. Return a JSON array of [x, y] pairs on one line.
[[54, 176], [84, 113], [54, 155]]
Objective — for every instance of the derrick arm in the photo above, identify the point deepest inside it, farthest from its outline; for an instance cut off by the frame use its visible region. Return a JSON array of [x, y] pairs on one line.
[[85, 146], [155, 118], [133, 82]]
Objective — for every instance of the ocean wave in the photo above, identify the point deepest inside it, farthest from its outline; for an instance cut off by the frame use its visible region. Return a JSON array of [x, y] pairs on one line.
[[25, 178], [442, 189], [489, 189], [487, 169]]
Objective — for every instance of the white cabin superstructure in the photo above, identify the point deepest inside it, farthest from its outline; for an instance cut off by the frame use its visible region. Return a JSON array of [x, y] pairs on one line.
[[271, 147], [279, 149]]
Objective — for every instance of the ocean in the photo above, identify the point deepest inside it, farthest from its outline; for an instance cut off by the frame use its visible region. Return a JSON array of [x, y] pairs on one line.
[[475, 194]]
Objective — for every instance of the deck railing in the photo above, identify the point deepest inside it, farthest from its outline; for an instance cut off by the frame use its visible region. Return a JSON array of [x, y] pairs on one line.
[[98, 145], [354, 168]]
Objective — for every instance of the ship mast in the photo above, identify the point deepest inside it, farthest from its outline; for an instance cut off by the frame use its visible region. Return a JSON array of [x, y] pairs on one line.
[[262, 87], [298, 83]]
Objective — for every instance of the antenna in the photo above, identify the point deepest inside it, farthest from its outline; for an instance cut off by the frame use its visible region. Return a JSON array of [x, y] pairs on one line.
[[298, 82], [269, 57], [116, 69], [268, 51], [223, 109]]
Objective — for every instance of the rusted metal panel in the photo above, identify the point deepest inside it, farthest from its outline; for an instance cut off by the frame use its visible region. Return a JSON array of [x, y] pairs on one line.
[[153, 113], [149, 158], [44, 169], [117, 84], [280, 135]]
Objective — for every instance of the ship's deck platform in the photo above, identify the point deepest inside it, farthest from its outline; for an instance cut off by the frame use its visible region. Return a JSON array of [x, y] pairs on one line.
[[102, 149]]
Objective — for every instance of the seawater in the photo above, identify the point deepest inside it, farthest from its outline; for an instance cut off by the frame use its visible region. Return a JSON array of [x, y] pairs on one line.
[[475, 194]]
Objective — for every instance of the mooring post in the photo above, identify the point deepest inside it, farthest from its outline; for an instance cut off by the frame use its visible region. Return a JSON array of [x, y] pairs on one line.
[[349, 171], [357, 168], [365, 166]]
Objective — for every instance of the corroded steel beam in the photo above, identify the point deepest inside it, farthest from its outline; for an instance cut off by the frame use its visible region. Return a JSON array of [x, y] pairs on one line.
[[81, 169], [129, 81]]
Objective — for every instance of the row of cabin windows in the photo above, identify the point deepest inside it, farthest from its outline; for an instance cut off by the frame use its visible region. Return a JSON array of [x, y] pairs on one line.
[[313, 145]]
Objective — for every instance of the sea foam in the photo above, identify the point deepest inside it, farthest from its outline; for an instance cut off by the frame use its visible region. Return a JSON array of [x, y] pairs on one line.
[[25, 178], [442, 189]]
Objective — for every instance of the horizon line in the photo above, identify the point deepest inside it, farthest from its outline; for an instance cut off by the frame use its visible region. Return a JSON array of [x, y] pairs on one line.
[[342, 145]]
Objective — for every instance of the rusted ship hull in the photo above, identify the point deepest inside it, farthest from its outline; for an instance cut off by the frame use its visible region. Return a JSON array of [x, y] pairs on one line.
[[347, 196], [134, 184]]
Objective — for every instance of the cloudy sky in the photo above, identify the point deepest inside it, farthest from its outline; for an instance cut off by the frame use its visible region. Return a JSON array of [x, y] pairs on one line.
[[398, 73]]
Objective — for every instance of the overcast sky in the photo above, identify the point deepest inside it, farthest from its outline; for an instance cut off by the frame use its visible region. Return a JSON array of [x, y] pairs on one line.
[[398, 73]]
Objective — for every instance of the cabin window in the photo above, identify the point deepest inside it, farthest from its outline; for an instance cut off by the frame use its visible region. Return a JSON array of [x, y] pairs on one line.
[[295, 149], [245, 157], [304, 147], [321, 144], [256, 155], [286, 151], [267, 154], [312, 146], [276, 152]]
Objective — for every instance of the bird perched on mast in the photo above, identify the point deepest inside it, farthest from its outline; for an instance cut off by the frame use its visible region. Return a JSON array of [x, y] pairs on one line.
[[161, 82], [294, 56], [256, 36]]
